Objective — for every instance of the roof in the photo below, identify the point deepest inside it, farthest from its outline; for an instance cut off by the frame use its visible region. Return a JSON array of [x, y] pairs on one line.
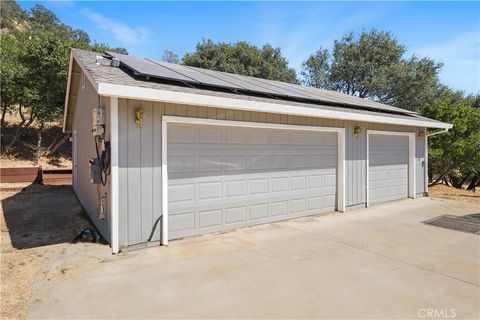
[[124, 82]]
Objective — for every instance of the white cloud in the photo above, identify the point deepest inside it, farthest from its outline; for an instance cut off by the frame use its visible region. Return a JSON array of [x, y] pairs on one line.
[[461, 58], [125, 34]]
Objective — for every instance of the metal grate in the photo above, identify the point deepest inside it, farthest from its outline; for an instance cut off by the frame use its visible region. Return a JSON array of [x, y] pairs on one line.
[[468, 223]]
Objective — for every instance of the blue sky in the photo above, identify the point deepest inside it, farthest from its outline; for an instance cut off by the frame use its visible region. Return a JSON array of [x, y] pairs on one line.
[[445, 31]]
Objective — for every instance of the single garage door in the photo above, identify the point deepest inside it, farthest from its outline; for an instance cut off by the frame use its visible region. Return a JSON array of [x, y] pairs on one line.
[[388, 168], [223, 177]]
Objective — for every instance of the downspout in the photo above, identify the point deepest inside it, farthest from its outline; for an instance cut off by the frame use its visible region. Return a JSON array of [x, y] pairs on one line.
[[426, 154], [437, 132]]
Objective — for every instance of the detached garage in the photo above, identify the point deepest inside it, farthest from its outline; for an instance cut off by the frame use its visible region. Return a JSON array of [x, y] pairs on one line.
[[164, 151]]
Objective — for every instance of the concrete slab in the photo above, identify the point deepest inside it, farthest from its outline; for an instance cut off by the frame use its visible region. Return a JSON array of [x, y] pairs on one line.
[[374, 263]]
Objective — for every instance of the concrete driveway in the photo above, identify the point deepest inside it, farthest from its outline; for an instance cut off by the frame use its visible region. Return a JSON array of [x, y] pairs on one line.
[[371, 263]]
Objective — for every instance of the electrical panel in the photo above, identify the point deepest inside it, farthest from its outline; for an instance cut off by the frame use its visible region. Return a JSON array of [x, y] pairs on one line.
[[98, 126], [95, 171]]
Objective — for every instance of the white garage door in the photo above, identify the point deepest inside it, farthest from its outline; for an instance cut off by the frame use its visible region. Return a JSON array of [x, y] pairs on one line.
[[388, 168], [222, 177]]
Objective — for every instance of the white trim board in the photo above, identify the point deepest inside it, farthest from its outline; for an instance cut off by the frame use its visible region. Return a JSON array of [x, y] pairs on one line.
[[411, 159], [69, 77], [115, 179], [67, 92], [197, 121], [426, 162], [129, 92]]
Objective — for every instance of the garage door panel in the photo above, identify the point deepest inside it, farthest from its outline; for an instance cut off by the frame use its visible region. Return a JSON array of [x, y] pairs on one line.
[[279, 138], [181, 163], [257, 161], [388, 168], [210, 218], [297, 138], [209, 163], [181, 134], [258, 187], [209, 135], [298, 183], [279, 208], [315, 203], [234, 162], [184, 221], [229, 177], [235, 136], [298, 205], [235, 215], [181, 193], [209, 190], [235, 189], [278, 161], [258, 211], [258, 137], [297, 161], [279, 184]]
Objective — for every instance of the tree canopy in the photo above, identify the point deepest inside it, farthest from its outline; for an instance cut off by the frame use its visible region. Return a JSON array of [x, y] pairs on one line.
[[242, 58], [34, 64], [454, 157], [373, 67], [170, 56]]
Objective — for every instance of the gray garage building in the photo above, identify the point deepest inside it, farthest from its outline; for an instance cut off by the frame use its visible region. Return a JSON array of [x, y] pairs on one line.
[[164, 151]]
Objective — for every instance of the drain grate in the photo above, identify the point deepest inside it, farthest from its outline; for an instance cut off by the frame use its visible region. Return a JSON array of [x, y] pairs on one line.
[[469, 223]]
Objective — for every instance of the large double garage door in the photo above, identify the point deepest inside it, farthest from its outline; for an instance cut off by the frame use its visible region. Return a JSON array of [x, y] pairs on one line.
[[225, 177]]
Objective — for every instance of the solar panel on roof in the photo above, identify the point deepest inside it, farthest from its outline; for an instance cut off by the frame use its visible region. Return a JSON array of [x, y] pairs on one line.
[[218, 75], [313, 94], [341, 98], [289, 87], [267, 85], [357, 101], [201, 78], [237, 80], [175, 72], [147, 68]]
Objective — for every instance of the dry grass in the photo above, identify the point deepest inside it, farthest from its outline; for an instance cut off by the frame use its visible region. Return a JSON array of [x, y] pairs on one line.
[[445, 192]]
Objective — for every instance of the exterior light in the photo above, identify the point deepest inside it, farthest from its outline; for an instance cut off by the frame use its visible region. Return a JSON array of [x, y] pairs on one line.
[[421, 134], [356, 131], [139, 117]]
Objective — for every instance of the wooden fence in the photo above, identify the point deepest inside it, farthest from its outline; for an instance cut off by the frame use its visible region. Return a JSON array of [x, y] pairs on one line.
[[36, 175]]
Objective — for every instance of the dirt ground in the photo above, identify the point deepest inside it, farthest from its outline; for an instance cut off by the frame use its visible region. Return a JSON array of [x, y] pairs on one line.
[[45, 163], [37, 225], [445, 192]]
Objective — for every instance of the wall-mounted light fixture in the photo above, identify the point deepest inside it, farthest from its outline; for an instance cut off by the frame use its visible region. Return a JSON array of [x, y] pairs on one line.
[[421, 134], [357, 131], [139, 116]]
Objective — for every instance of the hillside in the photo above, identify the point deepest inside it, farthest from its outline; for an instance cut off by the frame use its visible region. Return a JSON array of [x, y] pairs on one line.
[[24, 152]]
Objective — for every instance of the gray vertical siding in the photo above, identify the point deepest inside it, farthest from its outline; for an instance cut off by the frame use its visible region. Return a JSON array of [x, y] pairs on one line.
[[420, 162], [123, 169], [87, 193], [140, 159], [140, 162], [158, 110]]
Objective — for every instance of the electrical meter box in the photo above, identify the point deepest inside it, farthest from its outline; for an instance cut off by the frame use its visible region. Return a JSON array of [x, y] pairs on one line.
[[98, 125], [95, 171]]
